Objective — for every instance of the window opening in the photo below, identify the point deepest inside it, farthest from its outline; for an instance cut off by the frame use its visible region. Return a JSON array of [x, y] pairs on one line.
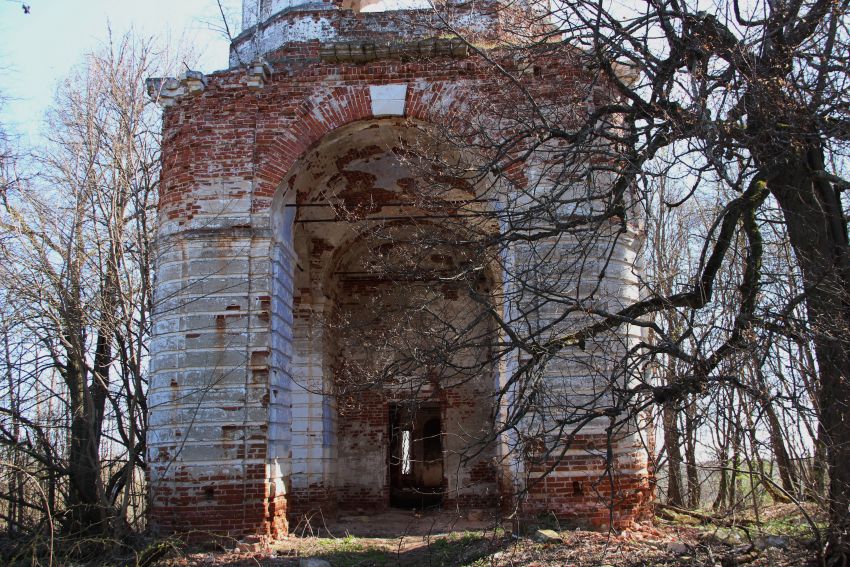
[[406, 467]]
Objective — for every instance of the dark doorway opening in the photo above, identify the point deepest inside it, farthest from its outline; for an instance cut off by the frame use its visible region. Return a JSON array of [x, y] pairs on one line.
[[415, 456]]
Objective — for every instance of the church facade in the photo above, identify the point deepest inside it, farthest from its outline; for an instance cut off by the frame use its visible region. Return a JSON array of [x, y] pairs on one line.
[[284, 178]]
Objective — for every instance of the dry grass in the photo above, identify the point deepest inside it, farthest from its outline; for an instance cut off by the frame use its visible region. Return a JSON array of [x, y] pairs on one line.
[[782, 541]]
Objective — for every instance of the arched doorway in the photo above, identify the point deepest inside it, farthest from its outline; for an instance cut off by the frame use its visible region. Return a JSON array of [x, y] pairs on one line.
[[392, 382]]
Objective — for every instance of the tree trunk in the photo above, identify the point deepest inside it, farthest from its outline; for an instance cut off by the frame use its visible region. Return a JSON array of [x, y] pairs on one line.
[[817, 232], [722, 486], [784, 464], [691, 466], [672, 444], [819, 466], [755, 465], [86, 513], [16, 480], [736, 463]]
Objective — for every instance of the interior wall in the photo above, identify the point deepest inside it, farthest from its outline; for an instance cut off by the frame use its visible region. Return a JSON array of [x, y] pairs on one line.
[[382, 323]]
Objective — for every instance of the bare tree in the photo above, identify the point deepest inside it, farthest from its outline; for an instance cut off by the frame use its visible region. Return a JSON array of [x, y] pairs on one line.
[[76, 277], [746, 106]]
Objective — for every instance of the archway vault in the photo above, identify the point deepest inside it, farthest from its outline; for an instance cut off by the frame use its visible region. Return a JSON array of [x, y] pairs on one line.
[[389, 311]]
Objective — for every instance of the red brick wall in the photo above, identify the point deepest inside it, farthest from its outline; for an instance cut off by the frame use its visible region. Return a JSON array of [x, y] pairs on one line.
[[218, 504], [230, 134], [229, 131], [581, 491]]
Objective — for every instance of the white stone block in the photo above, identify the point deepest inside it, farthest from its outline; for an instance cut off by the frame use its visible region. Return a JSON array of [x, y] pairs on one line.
[[300, 412], [388, 100]]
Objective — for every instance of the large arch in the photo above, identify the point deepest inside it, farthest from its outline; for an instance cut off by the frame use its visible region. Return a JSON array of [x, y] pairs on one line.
[[368, 249], [327, 110]]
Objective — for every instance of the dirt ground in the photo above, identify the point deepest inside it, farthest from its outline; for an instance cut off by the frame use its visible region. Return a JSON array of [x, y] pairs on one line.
[[479, 539]]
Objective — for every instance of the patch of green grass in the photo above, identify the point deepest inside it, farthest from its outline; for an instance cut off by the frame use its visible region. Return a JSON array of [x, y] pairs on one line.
[[791, 525], [350, 551], [458, 549], [347, 543]]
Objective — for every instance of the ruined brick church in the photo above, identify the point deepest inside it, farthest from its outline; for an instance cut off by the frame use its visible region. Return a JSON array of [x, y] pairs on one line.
[[248, 431]]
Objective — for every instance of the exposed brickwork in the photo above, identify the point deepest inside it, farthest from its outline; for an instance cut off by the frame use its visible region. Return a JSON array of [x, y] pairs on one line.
[[363, 432], [307, 504], [219, 503], [581, 490], [244, 431]]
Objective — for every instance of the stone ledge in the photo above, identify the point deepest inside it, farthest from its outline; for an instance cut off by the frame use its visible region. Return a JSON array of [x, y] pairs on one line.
[[168, 90], [365, 51], [257, 74]]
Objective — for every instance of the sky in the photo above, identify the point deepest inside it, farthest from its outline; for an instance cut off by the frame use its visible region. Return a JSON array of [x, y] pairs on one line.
[[39, 49]]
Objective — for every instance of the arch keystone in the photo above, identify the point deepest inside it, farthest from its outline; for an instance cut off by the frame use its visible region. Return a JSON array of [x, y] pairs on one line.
[[388, 100]]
